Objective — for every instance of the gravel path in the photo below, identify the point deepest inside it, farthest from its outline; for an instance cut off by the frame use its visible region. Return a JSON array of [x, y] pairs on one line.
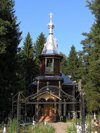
[[60, 127]]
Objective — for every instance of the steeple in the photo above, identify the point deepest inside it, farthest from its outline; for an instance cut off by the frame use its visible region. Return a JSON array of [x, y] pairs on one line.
[[50, 47]]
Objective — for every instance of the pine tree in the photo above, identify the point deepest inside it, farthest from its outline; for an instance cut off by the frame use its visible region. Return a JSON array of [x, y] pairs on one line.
[[73, 64], [28, 47], [28, 61], [91, 58], [63, 64], [79, 66], [10, 37], [39, 44]]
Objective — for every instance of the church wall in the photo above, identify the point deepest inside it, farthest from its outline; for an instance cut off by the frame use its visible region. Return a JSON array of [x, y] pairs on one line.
[[56, 66], [68, 90]]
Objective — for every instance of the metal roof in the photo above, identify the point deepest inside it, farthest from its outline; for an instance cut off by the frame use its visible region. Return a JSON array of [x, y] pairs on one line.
[[56, 77], [66, 79], [50, 47]]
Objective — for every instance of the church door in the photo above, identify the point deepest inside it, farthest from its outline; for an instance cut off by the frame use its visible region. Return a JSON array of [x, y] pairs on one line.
[[48, 110]]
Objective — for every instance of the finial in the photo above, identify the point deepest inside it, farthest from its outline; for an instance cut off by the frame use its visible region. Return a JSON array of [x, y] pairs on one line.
[[51, 16], [50, 25]]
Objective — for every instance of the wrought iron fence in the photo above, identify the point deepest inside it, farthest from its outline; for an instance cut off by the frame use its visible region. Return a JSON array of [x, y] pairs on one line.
[[8, 125], [23, 120]]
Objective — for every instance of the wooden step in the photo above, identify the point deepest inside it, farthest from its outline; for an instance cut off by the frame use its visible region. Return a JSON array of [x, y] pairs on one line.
[[49, 119], [41, 118], [46, 118]]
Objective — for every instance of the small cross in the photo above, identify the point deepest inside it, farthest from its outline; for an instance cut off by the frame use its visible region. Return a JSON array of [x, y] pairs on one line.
[[51, 16], [56, 39]]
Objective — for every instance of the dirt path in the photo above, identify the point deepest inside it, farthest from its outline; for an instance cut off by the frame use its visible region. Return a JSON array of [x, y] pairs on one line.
[[60, 127]]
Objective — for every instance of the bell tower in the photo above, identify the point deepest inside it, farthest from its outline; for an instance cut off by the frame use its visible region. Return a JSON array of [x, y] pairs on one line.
[[50, 58]]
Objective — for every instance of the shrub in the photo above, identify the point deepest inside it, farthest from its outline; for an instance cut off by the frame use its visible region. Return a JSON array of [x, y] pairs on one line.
[[71, 128], [13, 126]]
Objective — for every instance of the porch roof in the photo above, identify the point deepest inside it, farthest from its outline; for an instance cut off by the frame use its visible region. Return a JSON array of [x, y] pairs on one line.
[[46, 92]]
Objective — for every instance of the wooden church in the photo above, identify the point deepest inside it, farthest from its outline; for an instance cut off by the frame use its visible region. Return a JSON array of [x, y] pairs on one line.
[[54, 93]]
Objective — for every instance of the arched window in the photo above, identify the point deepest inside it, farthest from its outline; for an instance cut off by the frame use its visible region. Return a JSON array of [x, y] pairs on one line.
[[49, 64]]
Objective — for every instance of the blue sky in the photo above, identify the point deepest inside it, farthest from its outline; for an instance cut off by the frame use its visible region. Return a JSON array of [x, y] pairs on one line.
[[71, 18]]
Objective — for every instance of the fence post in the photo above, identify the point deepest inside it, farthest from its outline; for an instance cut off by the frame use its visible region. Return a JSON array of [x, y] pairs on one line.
[[83, 112], [18, 113], [82, 107]]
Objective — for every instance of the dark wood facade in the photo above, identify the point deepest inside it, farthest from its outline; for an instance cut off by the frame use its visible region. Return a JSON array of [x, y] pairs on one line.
[[50, 64], [52, 99]]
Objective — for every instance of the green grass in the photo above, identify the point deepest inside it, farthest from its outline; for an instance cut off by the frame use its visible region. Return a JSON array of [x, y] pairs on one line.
[[40, 128], [72, 128]]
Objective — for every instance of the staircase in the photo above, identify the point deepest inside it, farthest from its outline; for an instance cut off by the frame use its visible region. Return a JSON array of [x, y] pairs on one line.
[[41, 118], [46, 118], [47, 113], [49, 119]]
